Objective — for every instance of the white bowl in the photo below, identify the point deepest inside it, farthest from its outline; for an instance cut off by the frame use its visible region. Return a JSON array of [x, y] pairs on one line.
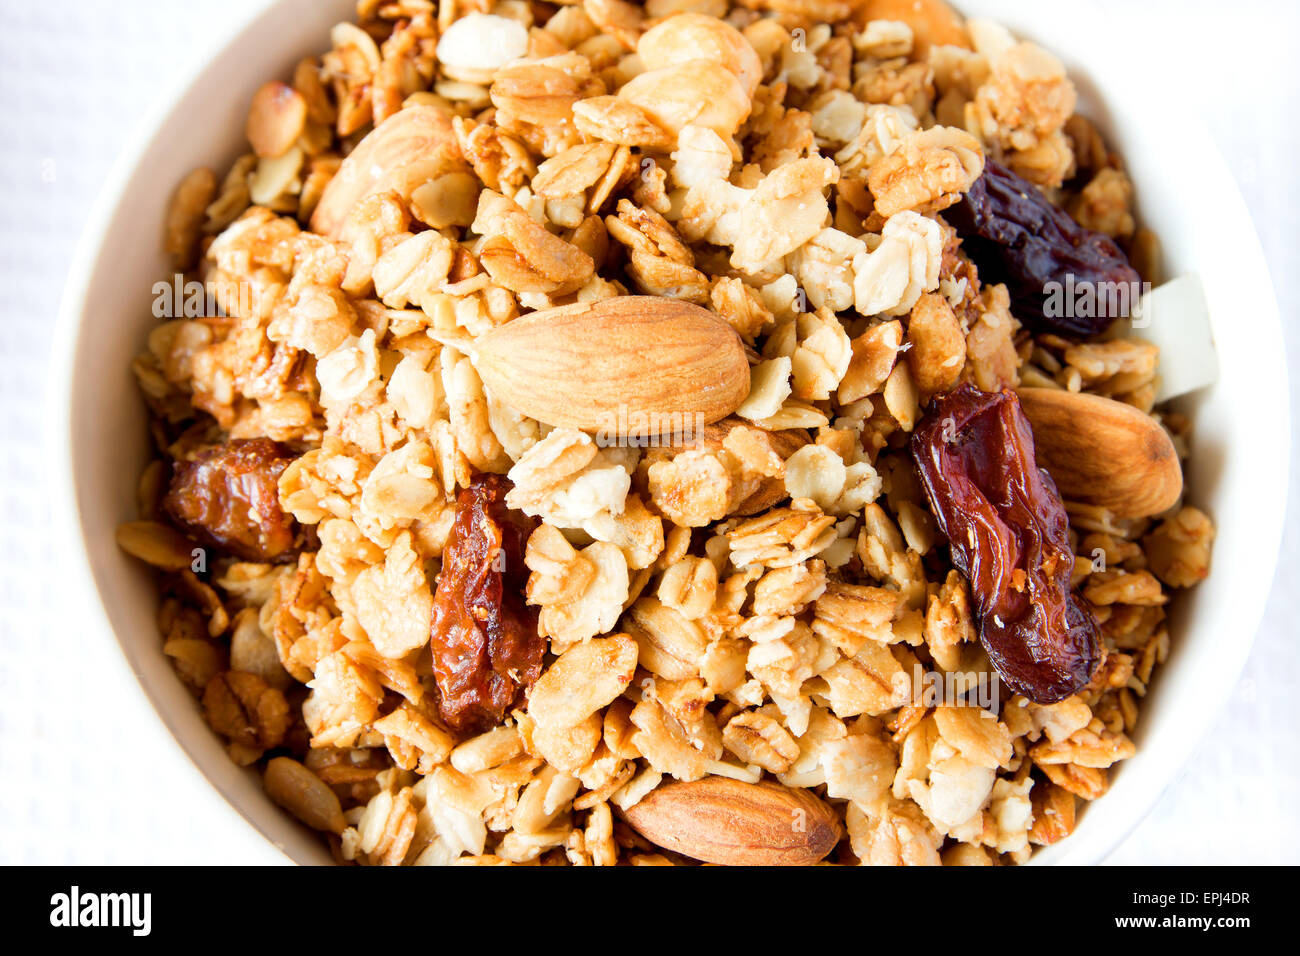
[[1186, 194]]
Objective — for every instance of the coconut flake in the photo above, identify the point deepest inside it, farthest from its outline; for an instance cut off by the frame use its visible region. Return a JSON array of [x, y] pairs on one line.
[[1175, 318]]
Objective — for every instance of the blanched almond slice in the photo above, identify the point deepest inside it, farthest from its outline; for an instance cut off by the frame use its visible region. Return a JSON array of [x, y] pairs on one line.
[[725, 821], [1176, 319], [630, 365], [1103, 452], [412, 147]]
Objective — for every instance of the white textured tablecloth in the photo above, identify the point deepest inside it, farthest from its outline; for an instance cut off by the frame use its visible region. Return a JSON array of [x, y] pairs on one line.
[[90, 776]]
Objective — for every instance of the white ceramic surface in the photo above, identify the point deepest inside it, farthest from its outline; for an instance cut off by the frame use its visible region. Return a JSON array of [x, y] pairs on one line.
[[1238, 470]]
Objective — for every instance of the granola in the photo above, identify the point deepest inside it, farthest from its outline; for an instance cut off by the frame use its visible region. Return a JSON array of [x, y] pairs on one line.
[[450, 633]]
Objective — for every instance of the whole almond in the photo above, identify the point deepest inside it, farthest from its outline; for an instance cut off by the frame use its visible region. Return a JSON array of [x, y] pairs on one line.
[[1103, 452], [627, 365], [720, 820], [412, 147]]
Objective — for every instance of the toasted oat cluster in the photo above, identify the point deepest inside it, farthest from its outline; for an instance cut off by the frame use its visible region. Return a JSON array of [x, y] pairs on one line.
[[448, 632]]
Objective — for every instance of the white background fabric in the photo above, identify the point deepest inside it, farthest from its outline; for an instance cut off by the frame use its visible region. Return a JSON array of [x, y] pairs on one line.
[[90, 777]]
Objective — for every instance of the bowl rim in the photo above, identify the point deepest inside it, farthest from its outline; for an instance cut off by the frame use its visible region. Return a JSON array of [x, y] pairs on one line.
[[1161, 767], [70, 324]]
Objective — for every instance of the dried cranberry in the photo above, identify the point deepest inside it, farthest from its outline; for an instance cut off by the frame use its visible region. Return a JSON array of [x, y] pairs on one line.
[[1009, 536], [485, 645], [228, 496], [1015, 235]]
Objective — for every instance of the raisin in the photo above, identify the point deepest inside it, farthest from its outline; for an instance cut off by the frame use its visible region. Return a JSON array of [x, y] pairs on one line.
[[485, 644], [1015, 235], [228, 497], [1009, 536]]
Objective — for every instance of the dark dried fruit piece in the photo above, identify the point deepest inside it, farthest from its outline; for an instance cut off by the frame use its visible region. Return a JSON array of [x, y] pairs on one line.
[[485, 643], [1015, 235], [228, 496], [1010, 537]]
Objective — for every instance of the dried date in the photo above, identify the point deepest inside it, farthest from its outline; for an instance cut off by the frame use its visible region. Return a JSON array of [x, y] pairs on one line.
[[228, 497], [1009, 536], [485, 644], [1015, 235]]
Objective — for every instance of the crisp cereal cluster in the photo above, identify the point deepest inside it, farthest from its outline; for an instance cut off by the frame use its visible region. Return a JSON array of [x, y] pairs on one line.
[[758, 605]]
